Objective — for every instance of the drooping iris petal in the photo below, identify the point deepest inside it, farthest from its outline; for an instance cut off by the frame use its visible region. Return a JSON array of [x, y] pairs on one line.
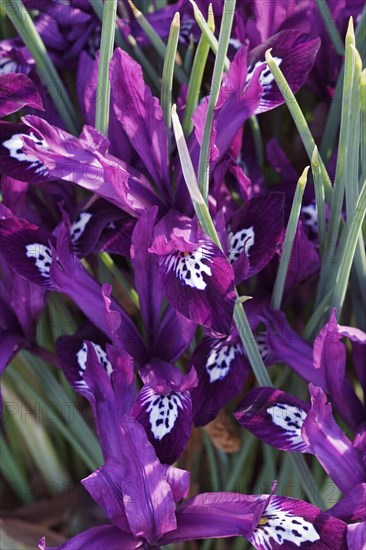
[[197, 277], [341, 460], [217, 515], [275, 417], [288, 524], [222, 369], [101, 226], [54, 153], [295, 54], [72, 352], [255, 231], [164, 408], [17, 91], [304, 259], [27, 249], [104, 536], [16, 160]]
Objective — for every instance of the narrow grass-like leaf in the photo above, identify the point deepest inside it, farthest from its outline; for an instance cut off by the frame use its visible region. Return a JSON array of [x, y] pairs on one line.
[[188, 58], [348, 247], [208, 32], [33, 399], [66, 407], [248, 447], [37, 441], [257, 139], [210, 452], [98, 7], [116, 272], [334, 115], [26, 29], [198, 68], [13, 474], [363, 123], [289, 241], [331, 26], [344, 149], [224, 37], [319, 198], [299, 120], [106, 51], [314, 324], [168, 72], [157, 42]]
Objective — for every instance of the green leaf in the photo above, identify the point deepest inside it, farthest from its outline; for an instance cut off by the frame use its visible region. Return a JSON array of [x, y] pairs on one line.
[[168, 72], [289, 241], [195, 81], [106, 51]]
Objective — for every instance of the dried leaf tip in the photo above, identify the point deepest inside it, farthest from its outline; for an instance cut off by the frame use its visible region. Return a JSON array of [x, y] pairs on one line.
[[176, 20]]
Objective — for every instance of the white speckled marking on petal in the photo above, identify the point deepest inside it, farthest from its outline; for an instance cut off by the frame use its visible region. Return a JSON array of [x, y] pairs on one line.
[[189, 267], [241, 241], [8, 65], [220, 358], [311, 217], [82, 354], [290, 419], [78, 227], [15, 146], [42, 256], [266, 78], [163, 413], [282, 527]]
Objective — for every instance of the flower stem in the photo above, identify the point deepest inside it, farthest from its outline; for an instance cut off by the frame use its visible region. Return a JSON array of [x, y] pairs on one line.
[[157, 42], [168, 72], [208, 32], [299, 120], [331, 26], [195, 81], [223, 44], [289, 241], [106, 51], [25, 27]]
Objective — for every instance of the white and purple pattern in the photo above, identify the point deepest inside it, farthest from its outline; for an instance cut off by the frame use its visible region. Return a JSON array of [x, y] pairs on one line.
[[163, 413], [42, 256], [15, 147], [281, 526], [190, 267], [220, 358], [241, 241], [290, 419]]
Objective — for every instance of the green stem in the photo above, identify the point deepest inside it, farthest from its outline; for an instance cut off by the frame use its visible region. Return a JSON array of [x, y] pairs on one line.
[[116, 272], [289, 241], [299, 120], [157, 42], [168, 72], [224, 37], [348, 247], [195, 81], [106, 51], [25, 27], [207, 31], [331, 26], [188, 58], [257, 138], [320, 199]]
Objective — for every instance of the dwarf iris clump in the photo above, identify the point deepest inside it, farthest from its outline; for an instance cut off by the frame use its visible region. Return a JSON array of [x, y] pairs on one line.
[[183, 274]]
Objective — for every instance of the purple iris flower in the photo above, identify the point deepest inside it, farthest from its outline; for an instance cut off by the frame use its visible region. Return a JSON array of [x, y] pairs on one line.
[[323, 364], [140, 495], [290, 424]]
